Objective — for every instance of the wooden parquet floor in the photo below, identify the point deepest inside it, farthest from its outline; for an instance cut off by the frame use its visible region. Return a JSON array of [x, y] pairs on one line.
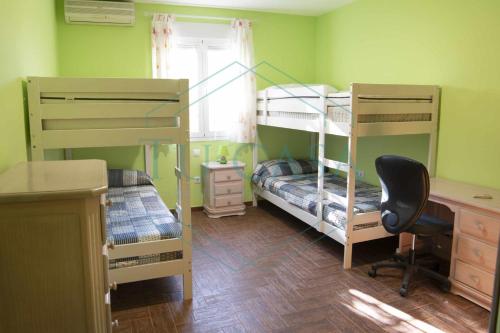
[[267, 272]]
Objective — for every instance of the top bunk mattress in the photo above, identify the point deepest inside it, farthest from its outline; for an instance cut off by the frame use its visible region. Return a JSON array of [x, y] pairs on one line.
[[287, 91], [137, 213], [296, 182]]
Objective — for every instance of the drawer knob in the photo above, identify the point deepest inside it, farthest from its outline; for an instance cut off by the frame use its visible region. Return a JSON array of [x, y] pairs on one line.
[[479, 226], [115, 323], [111, 245], [229, 202], [474, 279], [228, 190], [113, 285], [109, 203], [477, 252], [228, 177]]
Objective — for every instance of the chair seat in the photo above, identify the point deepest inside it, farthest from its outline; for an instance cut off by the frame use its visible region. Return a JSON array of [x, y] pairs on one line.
[[429, 225]]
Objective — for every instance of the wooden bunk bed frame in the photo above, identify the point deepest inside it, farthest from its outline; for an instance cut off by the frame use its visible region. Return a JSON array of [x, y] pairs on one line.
[[376, 110], [67, 113]]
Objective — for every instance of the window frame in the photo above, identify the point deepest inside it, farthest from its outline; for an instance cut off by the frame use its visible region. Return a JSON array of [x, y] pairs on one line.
[[202, 46]]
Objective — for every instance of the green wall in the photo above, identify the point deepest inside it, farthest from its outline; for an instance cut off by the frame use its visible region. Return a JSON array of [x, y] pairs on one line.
[[382, 41], [28, 47], [448, 43], [283, 41]]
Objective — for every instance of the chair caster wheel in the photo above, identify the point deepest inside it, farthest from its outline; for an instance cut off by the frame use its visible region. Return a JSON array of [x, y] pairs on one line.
[[372, 273], [403, 292], [397, 258]]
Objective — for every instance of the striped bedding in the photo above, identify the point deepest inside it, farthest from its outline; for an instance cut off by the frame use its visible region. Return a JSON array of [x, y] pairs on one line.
[[138, 215], [298, 186]]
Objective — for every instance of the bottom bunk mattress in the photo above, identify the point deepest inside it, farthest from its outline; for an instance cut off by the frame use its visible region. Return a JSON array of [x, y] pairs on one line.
[[137, 214], [296, 182]]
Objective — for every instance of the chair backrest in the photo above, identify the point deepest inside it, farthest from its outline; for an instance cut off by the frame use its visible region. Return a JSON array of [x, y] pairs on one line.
[[405, 190]]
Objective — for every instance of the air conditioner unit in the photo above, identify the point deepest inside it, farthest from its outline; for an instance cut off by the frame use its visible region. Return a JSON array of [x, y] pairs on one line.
[[99, 12]]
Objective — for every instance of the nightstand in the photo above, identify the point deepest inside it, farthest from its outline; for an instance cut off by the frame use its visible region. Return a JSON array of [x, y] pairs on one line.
[[223, 188]]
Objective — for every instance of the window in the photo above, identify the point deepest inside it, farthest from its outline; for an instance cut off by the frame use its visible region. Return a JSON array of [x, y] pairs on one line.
[[206, 62]]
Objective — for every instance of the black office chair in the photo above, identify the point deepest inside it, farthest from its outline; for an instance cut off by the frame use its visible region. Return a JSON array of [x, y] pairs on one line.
[[405, 190]]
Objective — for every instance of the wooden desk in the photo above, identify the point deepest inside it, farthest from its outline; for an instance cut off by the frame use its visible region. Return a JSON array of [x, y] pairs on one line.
[[475, 237]]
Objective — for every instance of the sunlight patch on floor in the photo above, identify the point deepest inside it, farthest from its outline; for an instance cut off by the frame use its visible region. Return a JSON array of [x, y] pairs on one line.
[[386, 315]]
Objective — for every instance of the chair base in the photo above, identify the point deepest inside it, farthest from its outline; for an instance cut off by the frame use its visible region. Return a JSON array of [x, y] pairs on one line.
[[410, 267]]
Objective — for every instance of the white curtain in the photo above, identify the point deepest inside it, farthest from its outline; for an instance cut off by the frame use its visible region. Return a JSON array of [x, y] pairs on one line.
[[162, 41], [244, 129]]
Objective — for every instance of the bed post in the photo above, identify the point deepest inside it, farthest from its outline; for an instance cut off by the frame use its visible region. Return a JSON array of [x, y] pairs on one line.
[[148, 159], [351, 177], [255, 149], [321, 161], [255, 152], [37, 151], [68, 154], [431, 161], [255, 157], [183, 190], [266, 106]]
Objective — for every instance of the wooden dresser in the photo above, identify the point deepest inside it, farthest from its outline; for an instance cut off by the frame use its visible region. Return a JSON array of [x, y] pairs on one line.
[[53, 265], [476, 235], [223, 188]]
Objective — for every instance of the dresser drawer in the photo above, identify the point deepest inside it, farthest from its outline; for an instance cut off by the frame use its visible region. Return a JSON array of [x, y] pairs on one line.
[[228, 200], [228, 175], [228, 188], [477, 252], [474, 277], [480, 226]]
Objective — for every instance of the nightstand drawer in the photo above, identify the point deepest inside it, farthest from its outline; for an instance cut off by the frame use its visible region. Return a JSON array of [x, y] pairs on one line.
[[228, 200], [228, 188], [474, 277], [228, 175], [477, 252], [480, 226]]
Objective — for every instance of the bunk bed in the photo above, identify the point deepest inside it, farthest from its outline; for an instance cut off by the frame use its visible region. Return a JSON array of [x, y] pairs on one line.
[[144, 240], [365, 110]]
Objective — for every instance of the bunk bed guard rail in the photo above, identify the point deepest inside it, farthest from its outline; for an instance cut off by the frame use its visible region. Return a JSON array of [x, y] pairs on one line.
[[87, 112]]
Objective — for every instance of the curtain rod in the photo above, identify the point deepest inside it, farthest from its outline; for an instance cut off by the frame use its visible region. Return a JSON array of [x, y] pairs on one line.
[[199, 17]]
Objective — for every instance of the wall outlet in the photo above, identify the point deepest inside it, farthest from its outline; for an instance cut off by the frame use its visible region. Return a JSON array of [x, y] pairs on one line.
[[196, 152], [360, 173], [197, 179]]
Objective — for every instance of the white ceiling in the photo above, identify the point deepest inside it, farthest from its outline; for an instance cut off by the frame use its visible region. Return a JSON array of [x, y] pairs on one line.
[[300, 7]]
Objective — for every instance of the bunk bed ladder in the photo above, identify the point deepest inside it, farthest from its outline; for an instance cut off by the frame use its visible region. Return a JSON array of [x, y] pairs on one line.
[[348, 168]]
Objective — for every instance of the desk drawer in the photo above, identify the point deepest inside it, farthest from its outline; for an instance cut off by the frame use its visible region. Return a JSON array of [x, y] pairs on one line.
[[228, 200], [480, 226], [477, 252], [228, 188], [228, 175], [474, 277]]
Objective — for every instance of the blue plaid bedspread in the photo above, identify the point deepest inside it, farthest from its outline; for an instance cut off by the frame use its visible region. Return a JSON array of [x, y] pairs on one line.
[[300, 190], [137, 215]]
